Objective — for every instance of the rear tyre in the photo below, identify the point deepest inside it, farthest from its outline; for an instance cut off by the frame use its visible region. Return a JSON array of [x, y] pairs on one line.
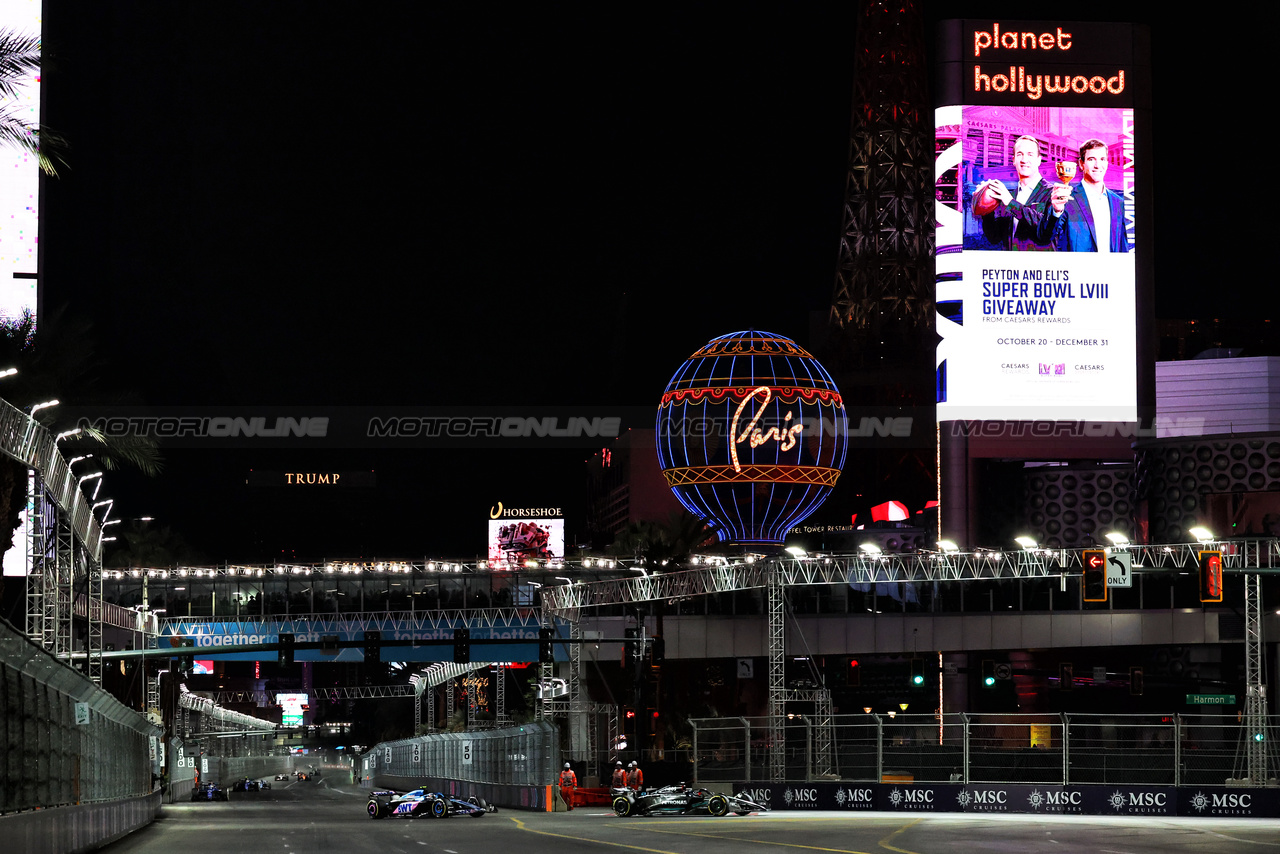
[[622, 806], [718, 805], [375, 809]]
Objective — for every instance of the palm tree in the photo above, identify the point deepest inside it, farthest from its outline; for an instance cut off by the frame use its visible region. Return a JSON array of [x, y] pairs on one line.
[[669, 542], [19, 60]]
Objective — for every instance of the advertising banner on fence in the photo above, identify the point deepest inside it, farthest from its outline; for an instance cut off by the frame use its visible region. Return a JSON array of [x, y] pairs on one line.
[[1019, 798], [209, 637]]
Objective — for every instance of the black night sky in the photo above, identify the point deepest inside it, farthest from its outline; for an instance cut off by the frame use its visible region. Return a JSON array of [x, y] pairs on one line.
[[342, 205]]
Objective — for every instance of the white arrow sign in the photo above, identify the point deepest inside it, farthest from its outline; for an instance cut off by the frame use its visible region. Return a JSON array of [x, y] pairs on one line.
[[1119, 569]]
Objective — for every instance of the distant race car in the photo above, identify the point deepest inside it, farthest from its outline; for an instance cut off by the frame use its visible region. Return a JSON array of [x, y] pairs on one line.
[[423, 804], [282, 776], [245, 784], [681, 800], [208, 792]]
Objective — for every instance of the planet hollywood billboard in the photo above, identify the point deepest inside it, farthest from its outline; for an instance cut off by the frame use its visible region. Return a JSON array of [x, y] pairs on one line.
[[1039, 183]]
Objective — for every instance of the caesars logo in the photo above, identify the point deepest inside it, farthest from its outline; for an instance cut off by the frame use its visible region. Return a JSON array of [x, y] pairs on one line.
[[500, 512]]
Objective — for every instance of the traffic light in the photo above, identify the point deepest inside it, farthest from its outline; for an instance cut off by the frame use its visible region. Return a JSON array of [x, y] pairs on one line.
[[653, 722], [546, 651], [917, 673], [988, 674], [461, 646], [1211, 576], [628, 720], [1135, 680], [1095, 575], [372, 647], [854, 673], [1066, 676], [631, 646], [284, 655], [657, 649]]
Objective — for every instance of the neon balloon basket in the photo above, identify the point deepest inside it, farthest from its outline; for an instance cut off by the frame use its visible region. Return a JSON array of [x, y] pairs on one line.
[[752, 435]]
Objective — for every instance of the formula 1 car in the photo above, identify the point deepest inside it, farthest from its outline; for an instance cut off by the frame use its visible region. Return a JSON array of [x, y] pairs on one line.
[[208, 792], [681, 800], [423, 804]]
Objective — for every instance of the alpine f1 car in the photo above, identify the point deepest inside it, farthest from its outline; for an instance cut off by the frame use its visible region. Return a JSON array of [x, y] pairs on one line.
[[208, 792], [423, 804], [681, 800]]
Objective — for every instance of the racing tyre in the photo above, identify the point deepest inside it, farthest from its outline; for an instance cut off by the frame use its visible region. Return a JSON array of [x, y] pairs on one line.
[[439, 809], [375, 809], [718, 805], [478, 802], [622, 806]]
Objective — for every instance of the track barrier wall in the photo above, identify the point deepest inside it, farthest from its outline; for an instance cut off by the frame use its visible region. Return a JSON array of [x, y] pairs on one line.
[[79, 767], [1113, 800], [512, 767]]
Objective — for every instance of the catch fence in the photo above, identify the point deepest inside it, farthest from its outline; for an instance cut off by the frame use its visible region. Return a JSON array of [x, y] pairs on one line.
[[66, 740], [522, 755], [1045, 749]]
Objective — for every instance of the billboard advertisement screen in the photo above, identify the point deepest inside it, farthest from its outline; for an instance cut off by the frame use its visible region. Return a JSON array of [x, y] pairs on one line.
[[518, 540], [19, 178], [1036, 183]]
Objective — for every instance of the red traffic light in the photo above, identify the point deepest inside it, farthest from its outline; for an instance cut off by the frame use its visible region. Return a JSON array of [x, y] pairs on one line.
[[1211, 576], [1095, 575]]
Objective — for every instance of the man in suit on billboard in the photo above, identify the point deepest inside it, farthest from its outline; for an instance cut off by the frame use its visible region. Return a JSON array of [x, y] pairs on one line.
[[1020, 222], [1089, 209]]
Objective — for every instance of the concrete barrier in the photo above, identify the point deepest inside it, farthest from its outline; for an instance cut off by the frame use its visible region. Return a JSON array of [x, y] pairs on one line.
[[70, 830]]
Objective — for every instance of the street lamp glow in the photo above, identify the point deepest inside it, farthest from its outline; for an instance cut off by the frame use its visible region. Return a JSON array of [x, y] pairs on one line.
[[1025, 542], [65, 434], [795, 551], [44, 405], [948, 546], [89, 477], [8, 372], [870, 548], [1204, 535], [1117, 538]]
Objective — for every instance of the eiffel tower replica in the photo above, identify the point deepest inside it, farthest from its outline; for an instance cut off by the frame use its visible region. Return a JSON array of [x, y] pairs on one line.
[[882, 339]]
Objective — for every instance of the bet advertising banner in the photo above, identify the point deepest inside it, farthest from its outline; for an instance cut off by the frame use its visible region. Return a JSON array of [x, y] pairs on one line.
[[209, 637], [1036, 176], [1113, 800]]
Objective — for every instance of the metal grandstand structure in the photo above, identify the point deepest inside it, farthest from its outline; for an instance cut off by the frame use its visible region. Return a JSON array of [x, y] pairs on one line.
[[1250, 556], [64, 542]]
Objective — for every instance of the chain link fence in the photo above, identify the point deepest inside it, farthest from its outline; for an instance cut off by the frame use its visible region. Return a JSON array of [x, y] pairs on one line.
[[975, 748], [66, 740]]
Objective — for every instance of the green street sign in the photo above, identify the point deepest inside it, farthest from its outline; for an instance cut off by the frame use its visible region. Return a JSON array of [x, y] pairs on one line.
[[1211, 699]]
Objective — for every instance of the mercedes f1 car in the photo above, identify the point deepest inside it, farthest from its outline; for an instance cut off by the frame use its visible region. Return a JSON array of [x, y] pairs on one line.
[[681, 800], [423, 804]]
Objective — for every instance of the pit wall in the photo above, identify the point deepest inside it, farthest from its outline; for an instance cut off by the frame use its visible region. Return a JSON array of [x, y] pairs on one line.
[[1116, 800]]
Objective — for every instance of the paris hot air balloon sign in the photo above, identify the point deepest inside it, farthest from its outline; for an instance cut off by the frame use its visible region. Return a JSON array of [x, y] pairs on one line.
[[752, 434]]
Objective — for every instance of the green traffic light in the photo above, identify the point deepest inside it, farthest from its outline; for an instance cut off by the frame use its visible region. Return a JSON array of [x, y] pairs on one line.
[[989, 681], [1257, 736], [917, 679]]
